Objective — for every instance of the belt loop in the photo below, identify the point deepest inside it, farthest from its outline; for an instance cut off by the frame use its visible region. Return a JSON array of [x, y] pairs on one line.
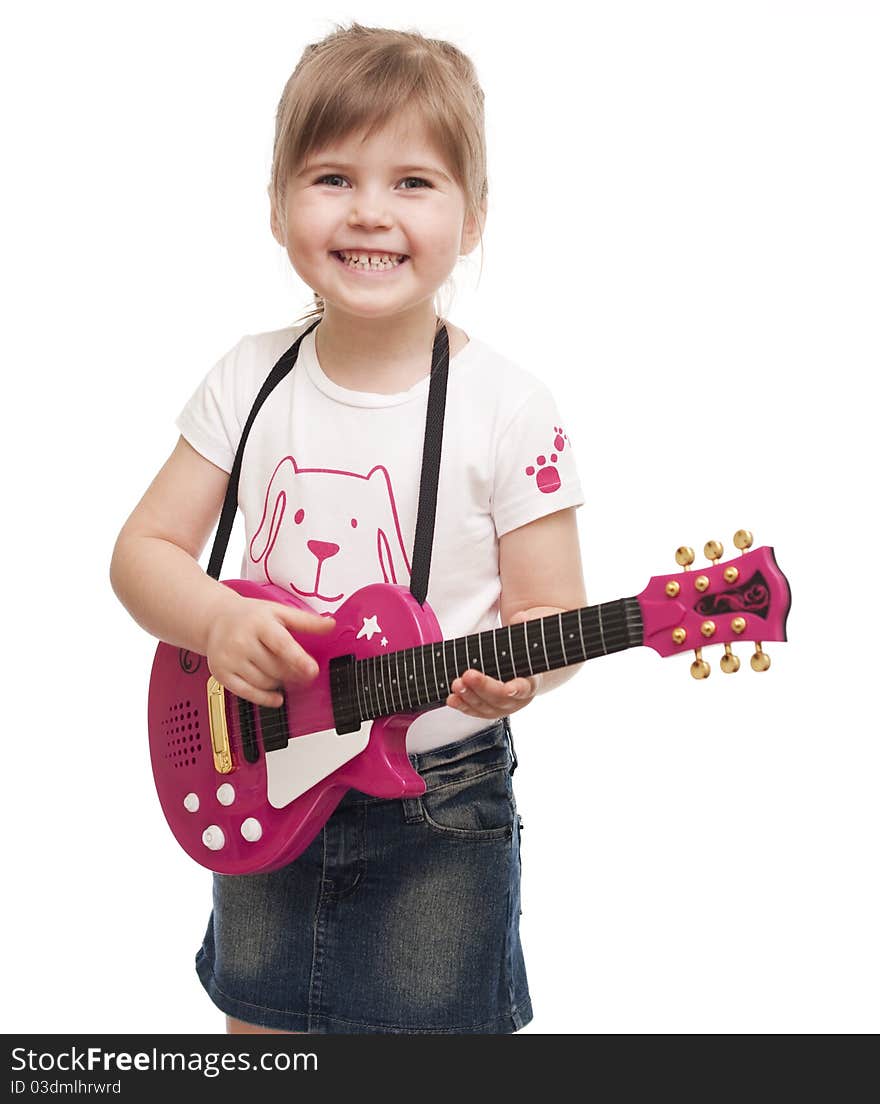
[[412, 810], [413, 813], [514, 761]]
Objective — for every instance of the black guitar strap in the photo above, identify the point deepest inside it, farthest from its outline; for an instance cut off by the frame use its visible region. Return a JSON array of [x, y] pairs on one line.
[[424, 537]]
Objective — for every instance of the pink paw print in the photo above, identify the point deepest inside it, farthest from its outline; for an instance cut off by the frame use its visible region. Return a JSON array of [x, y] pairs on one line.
[[546, 475]]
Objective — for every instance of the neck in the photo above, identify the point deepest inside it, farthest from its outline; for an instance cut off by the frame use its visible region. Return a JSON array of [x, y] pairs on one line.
[[373, 354], [417, 679]]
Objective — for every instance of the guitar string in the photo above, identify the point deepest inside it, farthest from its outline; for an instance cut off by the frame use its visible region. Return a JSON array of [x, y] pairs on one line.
[[271, 718], [374, 687], [275, 726]]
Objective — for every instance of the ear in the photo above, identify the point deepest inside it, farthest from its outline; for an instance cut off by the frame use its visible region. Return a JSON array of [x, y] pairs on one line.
[[473, 227], [274, 222]]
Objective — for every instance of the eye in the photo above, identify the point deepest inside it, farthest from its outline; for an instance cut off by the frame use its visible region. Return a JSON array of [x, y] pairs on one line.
[[406, 179]]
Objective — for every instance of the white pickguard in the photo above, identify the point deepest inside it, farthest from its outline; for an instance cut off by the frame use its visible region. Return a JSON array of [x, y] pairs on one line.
[[292, 770]]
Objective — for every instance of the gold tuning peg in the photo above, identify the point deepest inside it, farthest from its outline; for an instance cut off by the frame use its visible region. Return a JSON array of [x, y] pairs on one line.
[[684, 557], [729, 662], [742, 538], [713, 550], [760, 661], [700, 668]]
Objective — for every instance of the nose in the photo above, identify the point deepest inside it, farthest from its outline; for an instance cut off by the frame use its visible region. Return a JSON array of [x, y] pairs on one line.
[[322, 549], [369, 208]]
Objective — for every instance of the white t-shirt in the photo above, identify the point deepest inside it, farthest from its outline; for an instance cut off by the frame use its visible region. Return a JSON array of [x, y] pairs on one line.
[[329, 483]]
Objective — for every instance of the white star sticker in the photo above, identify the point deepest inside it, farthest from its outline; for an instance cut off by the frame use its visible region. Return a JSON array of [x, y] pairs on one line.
[[384, 642], [370, 626]]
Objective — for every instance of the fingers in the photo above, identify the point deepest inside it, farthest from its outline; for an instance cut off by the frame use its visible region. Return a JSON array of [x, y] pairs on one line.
[[288, 658], [283, 657], [303, 620], [240, 686], [481, 696]]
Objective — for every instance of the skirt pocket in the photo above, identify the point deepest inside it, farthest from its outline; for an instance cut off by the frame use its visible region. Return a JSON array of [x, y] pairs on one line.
[[476, 807]]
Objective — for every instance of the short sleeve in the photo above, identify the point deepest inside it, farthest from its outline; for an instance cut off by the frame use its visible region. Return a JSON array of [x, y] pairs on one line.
[[209, 420], [535, 469]]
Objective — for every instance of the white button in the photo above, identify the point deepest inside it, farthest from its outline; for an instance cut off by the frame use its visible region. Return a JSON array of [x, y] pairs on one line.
[[251, 829], [213, 838], [191, 803], [226, 794]]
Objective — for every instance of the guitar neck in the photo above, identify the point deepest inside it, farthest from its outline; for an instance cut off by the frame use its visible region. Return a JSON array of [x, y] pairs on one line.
[[415, 680]]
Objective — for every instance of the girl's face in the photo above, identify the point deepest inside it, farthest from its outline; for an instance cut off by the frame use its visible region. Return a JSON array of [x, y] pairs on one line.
[[392, 194]]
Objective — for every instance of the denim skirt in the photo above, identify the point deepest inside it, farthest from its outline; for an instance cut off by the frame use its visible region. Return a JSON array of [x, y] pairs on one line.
[[401, 917]]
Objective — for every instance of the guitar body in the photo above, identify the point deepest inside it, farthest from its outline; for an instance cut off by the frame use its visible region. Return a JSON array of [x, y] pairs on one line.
[[266, 808]]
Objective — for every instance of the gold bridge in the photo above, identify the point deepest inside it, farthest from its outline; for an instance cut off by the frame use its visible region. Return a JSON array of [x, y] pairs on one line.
[[219, 729]]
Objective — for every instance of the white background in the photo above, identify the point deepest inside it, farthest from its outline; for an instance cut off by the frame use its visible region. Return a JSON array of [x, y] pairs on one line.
[[682, 242]]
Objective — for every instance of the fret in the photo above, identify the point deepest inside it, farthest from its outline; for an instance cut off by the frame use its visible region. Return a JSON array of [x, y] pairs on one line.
[[581, 631], [471, 660], [512, 656], [383, 685], [507, 656], [414, 676], [601, 629], [449, 678], [383, 682], [421, 681], [395, 682], [569, 622], [436, 691], [590, 628], [487, 649], [365, 679], [362, 688], [425, 674], [525, 627], [553, 648], [398, 680], [562, 642], [416, 685], [406, 681], [544, 643], [520, 640], [495, 652], [412, 682], [373, 688], [370, 685]]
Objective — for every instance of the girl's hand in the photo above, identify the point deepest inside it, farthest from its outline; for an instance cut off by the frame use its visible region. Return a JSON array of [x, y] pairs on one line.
[[478, 695], [251, 652]]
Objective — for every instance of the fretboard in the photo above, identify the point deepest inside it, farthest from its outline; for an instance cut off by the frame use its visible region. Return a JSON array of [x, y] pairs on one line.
[[417, 679]]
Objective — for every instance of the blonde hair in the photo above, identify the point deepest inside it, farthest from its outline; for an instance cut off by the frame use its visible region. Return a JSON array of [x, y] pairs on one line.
[[360, 78]]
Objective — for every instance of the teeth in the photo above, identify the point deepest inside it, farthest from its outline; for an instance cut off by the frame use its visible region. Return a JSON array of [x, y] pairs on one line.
[[371, 260]]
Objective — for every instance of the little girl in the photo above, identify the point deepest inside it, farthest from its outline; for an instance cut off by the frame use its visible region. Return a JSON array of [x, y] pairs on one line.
[[402, 915]]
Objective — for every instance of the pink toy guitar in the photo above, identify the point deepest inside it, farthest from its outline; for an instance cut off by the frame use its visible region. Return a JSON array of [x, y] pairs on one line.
[[246, 788]]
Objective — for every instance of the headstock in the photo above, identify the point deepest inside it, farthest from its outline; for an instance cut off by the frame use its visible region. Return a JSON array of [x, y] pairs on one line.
[[746, 598]]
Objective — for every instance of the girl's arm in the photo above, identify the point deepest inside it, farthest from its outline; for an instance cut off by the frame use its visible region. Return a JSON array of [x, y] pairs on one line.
[[154, 570], [156, 575], [541, 573]]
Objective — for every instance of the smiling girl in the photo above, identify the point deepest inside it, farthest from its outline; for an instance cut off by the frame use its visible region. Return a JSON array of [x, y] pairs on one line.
[[402, 916]]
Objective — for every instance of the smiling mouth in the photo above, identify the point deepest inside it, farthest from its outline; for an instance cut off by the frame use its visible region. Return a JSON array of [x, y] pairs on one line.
[[384, 265]]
